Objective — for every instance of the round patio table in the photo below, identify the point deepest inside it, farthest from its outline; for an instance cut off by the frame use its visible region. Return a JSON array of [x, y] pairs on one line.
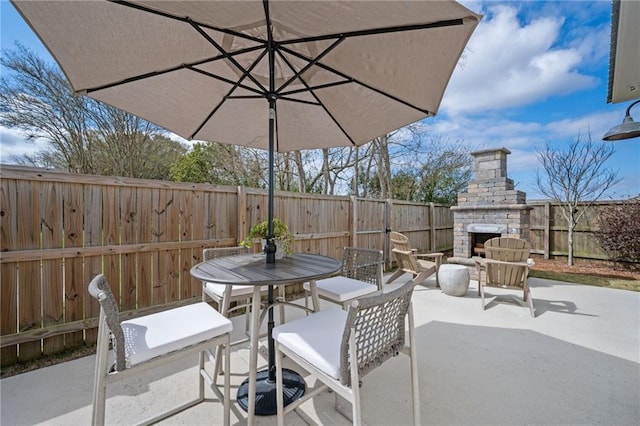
[[257, 393]]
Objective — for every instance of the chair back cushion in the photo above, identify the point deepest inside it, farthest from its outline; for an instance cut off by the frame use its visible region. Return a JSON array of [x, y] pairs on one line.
[[377, 324]]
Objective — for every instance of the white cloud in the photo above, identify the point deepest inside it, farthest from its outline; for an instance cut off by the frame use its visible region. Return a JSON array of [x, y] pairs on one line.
[[509, 63], [14, 144], [597, 124]]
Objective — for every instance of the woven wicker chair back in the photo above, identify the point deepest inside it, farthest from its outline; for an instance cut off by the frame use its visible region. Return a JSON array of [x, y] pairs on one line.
[[377, 325], [363, 265], [213, 253]]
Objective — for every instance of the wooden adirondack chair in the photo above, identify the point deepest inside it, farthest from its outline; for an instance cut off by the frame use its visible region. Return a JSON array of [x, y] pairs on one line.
[[505, 266], [412, 262]]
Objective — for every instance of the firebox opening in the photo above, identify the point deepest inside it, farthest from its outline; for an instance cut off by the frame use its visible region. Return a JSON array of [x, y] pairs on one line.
[[477, 242]]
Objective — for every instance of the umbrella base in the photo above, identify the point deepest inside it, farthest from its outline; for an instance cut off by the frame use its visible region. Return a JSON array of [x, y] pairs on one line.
[[266, 405]]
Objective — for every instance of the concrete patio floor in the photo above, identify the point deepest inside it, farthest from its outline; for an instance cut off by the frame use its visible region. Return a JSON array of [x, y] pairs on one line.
[[576, 363]]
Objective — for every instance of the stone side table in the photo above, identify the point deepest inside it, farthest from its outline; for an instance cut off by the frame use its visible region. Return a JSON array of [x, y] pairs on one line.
[[454, 279]]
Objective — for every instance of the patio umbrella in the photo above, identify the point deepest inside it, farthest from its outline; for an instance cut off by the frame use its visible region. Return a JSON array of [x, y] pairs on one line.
[[277, 75]]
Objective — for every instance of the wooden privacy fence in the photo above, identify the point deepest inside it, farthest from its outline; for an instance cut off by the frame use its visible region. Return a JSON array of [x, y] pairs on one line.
[[58, 230], [549, 230]]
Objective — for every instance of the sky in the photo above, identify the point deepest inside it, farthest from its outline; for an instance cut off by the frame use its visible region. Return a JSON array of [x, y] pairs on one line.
[[533, 72]]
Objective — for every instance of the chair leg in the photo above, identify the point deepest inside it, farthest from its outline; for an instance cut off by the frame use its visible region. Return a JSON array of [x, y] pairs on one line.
[[100, 372], [279, 387], [227, 382], [395, 275], [306, 302], [415, 391], [529, 300], [481, 289], [224, 311], [200, 376], [356, 417], [99, 396], [419, 279]]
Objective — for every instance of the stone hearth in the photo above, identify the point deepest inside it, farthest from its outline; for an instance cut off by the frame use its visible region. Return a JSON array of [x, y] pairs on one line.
[[490, 207]]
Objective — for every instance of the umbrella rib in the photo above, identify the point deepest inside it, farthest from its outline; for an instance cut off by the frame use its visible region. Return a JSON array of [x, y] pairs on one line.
[[229, 94], [310, 64], [226, 80], [312, 93], [227, 55], [190, 66], [187, 20], [382, 30], [236, 84], [198, 27], [361, 83], [318, 87]]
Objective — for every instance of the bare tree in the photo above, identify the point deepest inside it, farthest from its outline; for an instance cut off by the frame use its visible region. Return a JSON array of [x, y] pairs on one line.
[[38, 100], [83, 135], [577, 174]]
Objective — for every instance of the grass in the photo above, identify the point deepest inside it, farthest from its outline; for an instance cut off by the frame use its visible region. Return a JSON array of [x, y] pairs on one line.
[[595, 280]]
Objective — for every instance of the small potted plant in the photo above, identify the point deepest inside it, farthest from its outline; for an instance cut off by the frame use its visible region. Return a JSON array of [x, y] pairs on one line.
[[282, 237]]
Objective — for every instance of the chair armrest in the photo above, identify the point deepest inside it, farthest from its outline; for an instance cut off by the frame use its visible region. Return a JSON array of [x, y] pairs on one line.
[[395, 250], [436, 256]]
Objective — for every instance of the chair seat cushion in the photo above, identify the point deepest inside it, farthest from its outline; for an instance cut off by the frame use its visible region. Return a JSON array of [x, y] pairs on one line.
[[161, 333], [341, 289], [316, 338], [236, 290]]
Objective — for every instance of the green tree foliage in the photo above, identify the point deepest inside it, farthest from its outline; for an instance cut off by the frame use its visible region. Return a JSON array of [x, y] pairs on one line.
[[221, 164]]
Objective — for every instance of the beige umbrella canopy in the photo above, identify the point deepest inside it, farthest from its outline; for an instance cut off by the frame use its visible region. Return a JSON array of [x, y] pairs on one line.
[[277, 75], [344, 72]]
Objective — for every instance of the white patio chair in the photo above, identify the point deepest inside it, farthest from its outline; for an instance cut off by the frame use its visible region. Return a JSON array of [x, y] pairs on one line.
[[154, 340], [329, 343], [361, 275], [224, 294]]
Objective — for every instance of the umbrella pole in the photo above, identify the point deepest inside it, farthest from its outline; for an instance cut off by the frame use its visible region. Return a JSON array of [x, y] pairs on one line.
[[271, 246]]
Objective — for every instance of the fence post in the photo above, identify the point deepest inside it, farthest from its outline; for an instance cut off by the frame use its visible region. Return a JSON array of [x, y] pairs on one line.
[[547, 229], [354, 221], [241, 232], [432, 226], [389, 226]]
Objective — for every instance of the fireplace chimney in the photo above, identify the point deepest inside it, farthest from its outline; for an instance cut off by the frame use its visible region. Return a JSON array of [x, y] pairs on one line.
[[490, 206]]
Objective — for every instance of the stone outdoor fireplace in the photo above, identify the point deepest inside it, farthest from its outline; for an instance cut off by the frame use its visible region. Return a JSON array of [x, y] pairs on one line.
[[491, 207]]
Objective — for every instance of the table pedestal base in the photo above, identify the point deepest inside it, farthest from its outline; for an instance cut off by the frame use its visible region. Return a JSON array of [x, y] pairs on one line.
[[266, 404]]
